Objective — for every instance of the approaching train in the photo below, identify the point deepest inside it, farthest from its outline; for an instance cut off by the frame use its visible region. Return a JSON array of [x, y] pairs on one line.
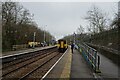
[[62, 45]]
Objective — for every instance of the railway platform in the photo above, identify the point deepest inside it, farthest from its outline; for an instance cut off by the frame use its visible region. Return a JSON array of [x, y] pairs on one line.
[[23, 51], [62, 68], [79, 67], [70, 66]]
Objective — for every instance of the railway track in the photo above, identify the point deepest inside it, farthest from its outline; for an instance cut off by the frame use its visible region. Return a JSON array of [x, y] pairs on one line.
[[38, 53], [29, 67]]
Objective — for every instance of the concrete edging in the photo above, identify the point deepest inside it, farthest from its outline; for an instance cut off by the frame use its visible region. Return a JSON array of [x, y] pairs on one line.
[[67, 69]]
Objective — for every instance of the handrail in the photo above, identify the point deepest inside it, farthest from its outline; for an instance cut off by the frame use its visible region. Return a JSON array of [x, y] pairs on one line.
[[90, 55]]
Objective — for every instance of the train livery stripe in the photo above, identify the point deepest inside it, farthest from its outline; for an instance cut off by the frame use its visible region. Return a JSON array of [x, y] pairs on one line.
[[62, 44]]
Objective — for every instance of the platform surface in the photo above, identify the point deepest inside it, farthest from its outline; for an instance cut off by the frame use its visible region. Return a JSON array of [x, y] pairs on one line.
[[23, 51], [79, 67], [71, 66], [62, 68]]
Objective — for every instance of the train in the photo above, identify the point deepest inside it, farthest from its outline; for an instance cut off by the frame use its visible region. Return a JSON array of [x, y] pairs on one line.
[[33, 44], [40, 44], [62, 45]]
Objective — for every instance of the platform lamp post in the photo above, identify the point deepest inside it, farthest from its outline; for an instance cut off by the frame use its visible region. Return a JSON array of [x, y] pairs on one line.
[[26, 38], [44, 34], [74, 37], [34, 39]]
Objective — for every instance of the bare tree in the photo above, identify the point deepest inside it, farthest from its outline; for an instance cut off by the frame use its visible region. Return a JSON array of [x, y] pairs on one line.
[[26, 17], [80, 30], [79, 35], [18, 26], [8, 22], [97, 20], [116, 21]]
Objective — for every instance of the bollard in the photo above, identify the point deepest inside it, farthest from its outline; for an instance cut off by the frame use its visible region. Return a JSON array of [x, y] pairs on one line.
[[98, 62]]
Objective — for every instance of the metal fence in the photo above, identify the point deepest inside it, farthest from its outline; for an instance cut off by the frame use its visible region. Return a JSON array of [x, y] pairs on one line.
[[90, 55], [19, 47]]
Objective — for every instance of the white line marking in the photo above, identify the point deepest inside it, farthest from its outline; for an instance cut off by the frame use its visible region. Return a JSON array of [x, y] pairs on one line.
[[25, 52], [54, 65], [94, 75], [97, 77]]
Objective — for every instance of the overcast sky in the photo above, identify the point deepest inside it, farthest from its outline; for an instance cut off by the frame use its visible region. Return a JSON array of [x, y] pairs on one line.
[[63, 18]]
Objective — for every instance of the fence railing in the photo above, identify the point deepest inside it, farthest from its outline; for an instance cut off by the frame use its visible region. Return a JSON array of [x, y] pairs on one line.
[[90, 55], [19, 47]]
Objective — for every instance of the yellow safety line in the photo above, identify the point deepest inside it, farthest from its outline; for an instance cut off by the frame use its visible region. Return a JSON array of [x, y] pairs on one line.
[[67, 68]]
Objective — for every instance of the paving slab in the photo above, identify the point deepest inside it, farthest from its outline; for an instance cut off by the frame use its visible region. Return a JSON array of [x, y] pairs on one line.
[[23, 51], [63, 67], [79, 67]]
